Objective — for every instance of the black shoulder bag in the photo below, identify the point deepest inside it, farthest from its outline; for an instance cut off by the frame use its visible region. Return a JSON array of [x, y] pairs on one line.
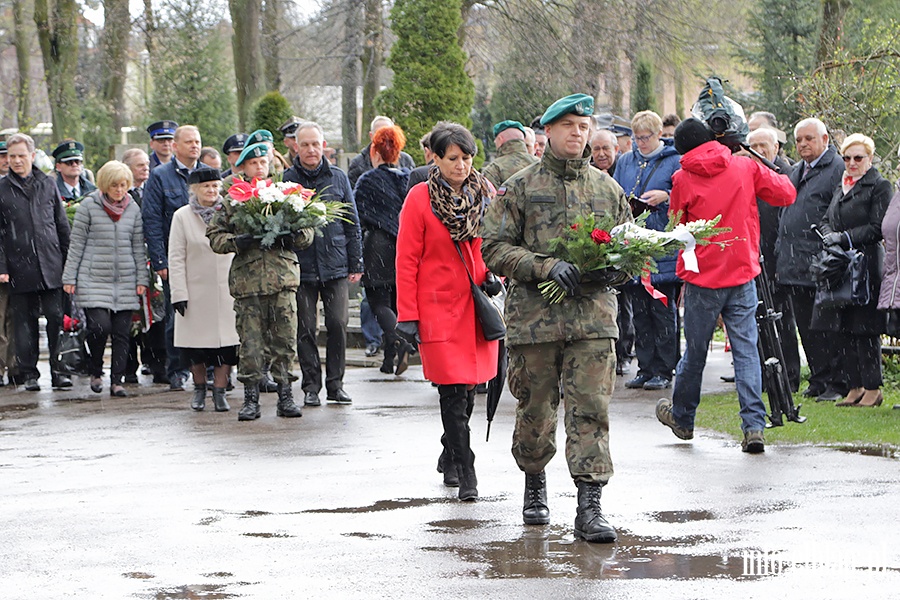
[[492, 324]]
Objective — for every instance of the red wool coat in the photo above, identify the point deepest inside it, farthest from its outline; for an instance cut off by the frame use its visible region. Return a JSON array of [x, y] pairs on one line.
[[433, 289]]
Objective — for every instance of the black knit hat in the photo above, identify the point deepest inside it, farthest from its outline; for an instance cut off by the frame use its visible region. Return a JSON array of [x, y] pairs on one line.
[[204, 174], [691, 133]]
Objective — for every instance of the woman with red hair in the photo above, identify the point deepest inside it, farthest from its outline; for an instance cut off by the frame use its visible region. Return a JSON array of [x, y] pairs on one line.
[[379, 197]]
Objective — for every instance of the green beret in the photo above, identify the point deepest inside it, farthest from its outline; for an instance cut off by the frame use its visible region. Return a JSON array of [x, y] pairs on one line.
[[576, 104], [260, 135], [67, 151], [2, 147], [252, 151], [504, 125]]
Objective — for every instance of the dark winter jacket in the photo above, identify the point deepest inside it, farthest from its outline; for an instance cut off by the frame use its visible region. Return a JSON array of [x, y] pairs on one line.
[[714, 182], [859, 214], [797, 244], [418, 175], [362, 162], [889, 298], [769, 217], [165, 192], [337, 252], [637, 174], [34, 232], [379, 197], [84, 186]]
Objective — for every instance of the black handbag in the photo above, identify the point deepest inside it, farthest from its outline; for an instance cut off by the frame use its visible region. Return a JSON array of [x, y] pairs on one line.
[[842, 278], [72, 355], [487, 313]]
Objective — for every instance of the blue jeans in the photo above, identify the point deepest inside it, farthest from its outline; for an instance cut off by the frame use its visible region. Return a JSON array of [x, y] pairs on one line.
[[737, 305]]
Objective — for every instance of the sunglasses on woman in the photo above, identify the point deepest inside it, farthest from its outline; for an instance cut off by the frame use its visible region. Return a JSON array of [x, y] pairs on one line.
[[857, 159]]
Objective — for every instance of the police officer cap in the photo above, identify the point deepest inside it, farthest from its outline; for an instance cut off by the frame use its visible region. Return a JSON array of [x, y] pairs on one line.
[[235, 143], [620, 130], [162, 130], [289, 128], [252, 151], [204, 174], [260, 135], [2, 147], [69, 150], [504, 125], [576, 104]]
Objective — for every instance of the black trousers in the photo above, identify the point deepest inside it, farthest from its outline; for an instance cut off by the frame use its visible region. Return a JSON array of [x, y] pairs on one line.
[[175, 362], [863, 361], [823, 349], [383, 302], [336, 300], [103, 323], [656, 330], [25, 310], [625, 342]]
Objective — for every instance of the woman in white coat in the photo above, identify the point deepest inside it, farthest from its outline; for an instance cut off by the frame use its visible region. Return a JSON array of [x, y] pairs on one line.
[[204, 322]]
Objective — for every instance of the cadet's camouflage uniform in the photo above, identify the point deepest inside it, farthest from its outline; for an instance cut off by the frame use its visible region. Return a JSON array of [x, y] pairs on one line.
[[511, 158], [571, 342], [264, 286]]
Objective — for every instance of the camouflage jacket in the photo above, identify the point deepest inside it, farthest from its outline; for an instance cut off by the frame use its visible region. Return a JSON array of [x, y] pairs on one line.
[[536, 205], [511, 158], [256, 272]]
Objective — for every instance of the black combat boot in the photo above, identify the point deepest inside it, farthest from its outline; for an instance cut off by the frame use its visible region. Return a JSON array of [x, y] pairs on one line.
[[250, 409], [198, 401], [455, 418], [590, 523], [535, 510], [219, 400], [266, 384], [286, 406]]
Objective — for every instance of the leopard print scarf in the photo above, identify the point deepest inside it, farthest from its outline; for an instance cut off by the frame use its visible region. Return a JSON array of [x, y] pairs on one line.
[[460, 214]]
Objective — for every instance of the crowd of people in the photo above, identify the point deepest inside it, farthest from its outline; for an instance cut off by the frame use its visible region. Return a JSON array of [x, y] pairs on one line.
[[154, 235]]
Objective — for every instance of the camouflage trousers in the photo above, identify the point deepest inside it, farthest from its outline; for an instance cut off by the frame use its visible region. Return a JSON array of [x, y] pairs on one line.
[[586, 372], [267, 326]]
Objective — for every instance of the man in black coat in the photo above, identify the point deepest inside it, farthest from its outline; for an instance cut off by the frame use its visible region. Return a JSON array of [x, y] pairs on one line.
[[362, 162], [815, 176], [34, 240], [326, 269]]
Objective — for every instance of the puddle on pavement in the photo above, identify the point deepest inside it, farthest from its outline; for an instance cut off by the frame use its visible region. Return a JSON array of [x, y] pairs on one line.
[[882, 451], [457, 525], [138, 575], [555, 553], [254, 513], [218, 574], [682, 516], [268, 535], [382, 505], [15, 408], [367, 536], [205, 591]]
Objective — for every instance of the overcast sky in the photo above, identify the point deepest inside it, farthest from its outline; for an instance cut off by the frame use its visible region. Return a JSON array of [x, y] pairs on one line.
[[137, 6]]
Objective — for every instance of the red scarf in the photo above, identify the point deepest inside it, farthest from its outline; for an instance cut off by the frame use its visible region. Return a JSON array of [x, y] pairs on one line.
[[115, 209]]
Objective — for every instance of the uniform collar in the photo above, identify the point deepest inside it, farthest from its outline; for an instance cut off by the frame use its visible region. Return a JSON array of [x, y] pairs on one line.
[[566, 168]]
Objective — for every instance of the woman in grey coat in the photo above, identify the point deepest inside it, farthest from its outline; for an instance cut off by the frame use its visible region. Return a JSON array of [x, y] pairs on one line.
[[106, 269]]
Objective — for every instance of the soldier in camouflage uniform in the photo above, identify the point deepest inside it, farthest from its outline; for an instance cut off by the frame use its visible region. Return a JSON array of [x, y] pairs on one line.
[[264, 284], [570, 343], [512, 154]]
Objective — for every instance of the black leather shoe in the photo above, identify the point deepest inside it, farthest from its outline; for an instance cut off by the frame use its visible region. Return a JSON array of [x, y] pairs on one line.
[[176, 383], [451, 473], [286, 406], [160, 378], [339, 397], [96, 385], [198, 401], [372, 349], [638, 382], [58, 380], [131, 379], [117, 391], [219, 401], [590, 524], [267, 385], [250, 409], [657, 383], [829, 395], [812, 392], [535, 510], [402, 357], [32, 385], [311, 399]]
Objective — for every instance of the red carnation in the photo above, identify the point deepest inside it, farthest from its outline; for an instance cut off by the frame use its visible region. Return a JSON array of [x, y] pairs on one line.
[[574, 227], [601, 237]]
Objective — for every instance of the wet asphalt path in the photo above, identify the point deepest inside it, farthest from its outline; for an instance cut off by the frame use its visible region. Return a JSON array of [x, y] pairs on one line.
[[143, 498]]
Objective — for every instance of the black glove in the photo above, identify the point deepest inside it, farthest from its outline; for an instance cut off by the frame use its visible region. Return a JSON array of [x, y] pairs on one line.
[[836, 238], [286, 241], [409, 331], [567, 276], [245, 241], [609, 276], [492, 285], [180, 307]]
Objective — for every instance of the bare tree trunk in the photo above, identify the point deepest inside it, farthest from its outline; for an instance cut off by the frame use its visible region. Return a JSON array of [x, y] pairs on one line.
[[350, 75], [57, 34], [245, 16], [372, 57], [23, 61], [114, 45], [830, 29], [149, 28], [464, 13], [271, 18]]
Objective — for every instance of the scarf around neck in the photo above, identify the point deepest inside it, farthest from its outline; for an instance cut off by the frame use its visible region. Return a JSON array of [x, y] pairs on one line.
[[460, 213], [848, 181], [204, 212], [115, 210]]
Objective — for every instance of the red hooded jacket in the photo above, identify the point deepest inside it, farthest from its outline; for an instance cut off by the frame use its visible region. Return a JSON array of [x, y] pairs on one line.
[[714, 182]]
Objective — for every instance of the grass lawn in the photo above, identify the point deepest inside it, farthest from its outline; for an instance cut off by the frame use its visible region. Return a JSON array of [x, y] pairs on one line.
[[825, 425]]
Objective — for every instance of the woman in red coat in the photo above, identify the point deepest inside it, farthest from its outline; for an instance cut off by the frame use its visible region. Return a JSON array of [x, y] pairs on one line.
[[440, 219]]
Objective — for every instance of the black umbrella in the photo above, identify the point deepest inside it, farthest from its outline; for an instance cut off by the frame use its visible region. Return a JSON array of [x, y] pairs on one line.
[[495, 386]]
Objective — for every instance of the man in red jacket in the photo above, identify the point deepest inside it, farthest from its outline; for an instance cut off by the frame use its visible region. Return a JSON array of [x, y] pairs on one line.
[[713, 182]]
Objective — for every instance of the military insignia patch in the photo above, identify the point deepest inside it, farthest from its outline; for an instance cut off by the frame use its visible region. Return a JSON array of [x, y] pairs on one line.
[[501, 190]]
